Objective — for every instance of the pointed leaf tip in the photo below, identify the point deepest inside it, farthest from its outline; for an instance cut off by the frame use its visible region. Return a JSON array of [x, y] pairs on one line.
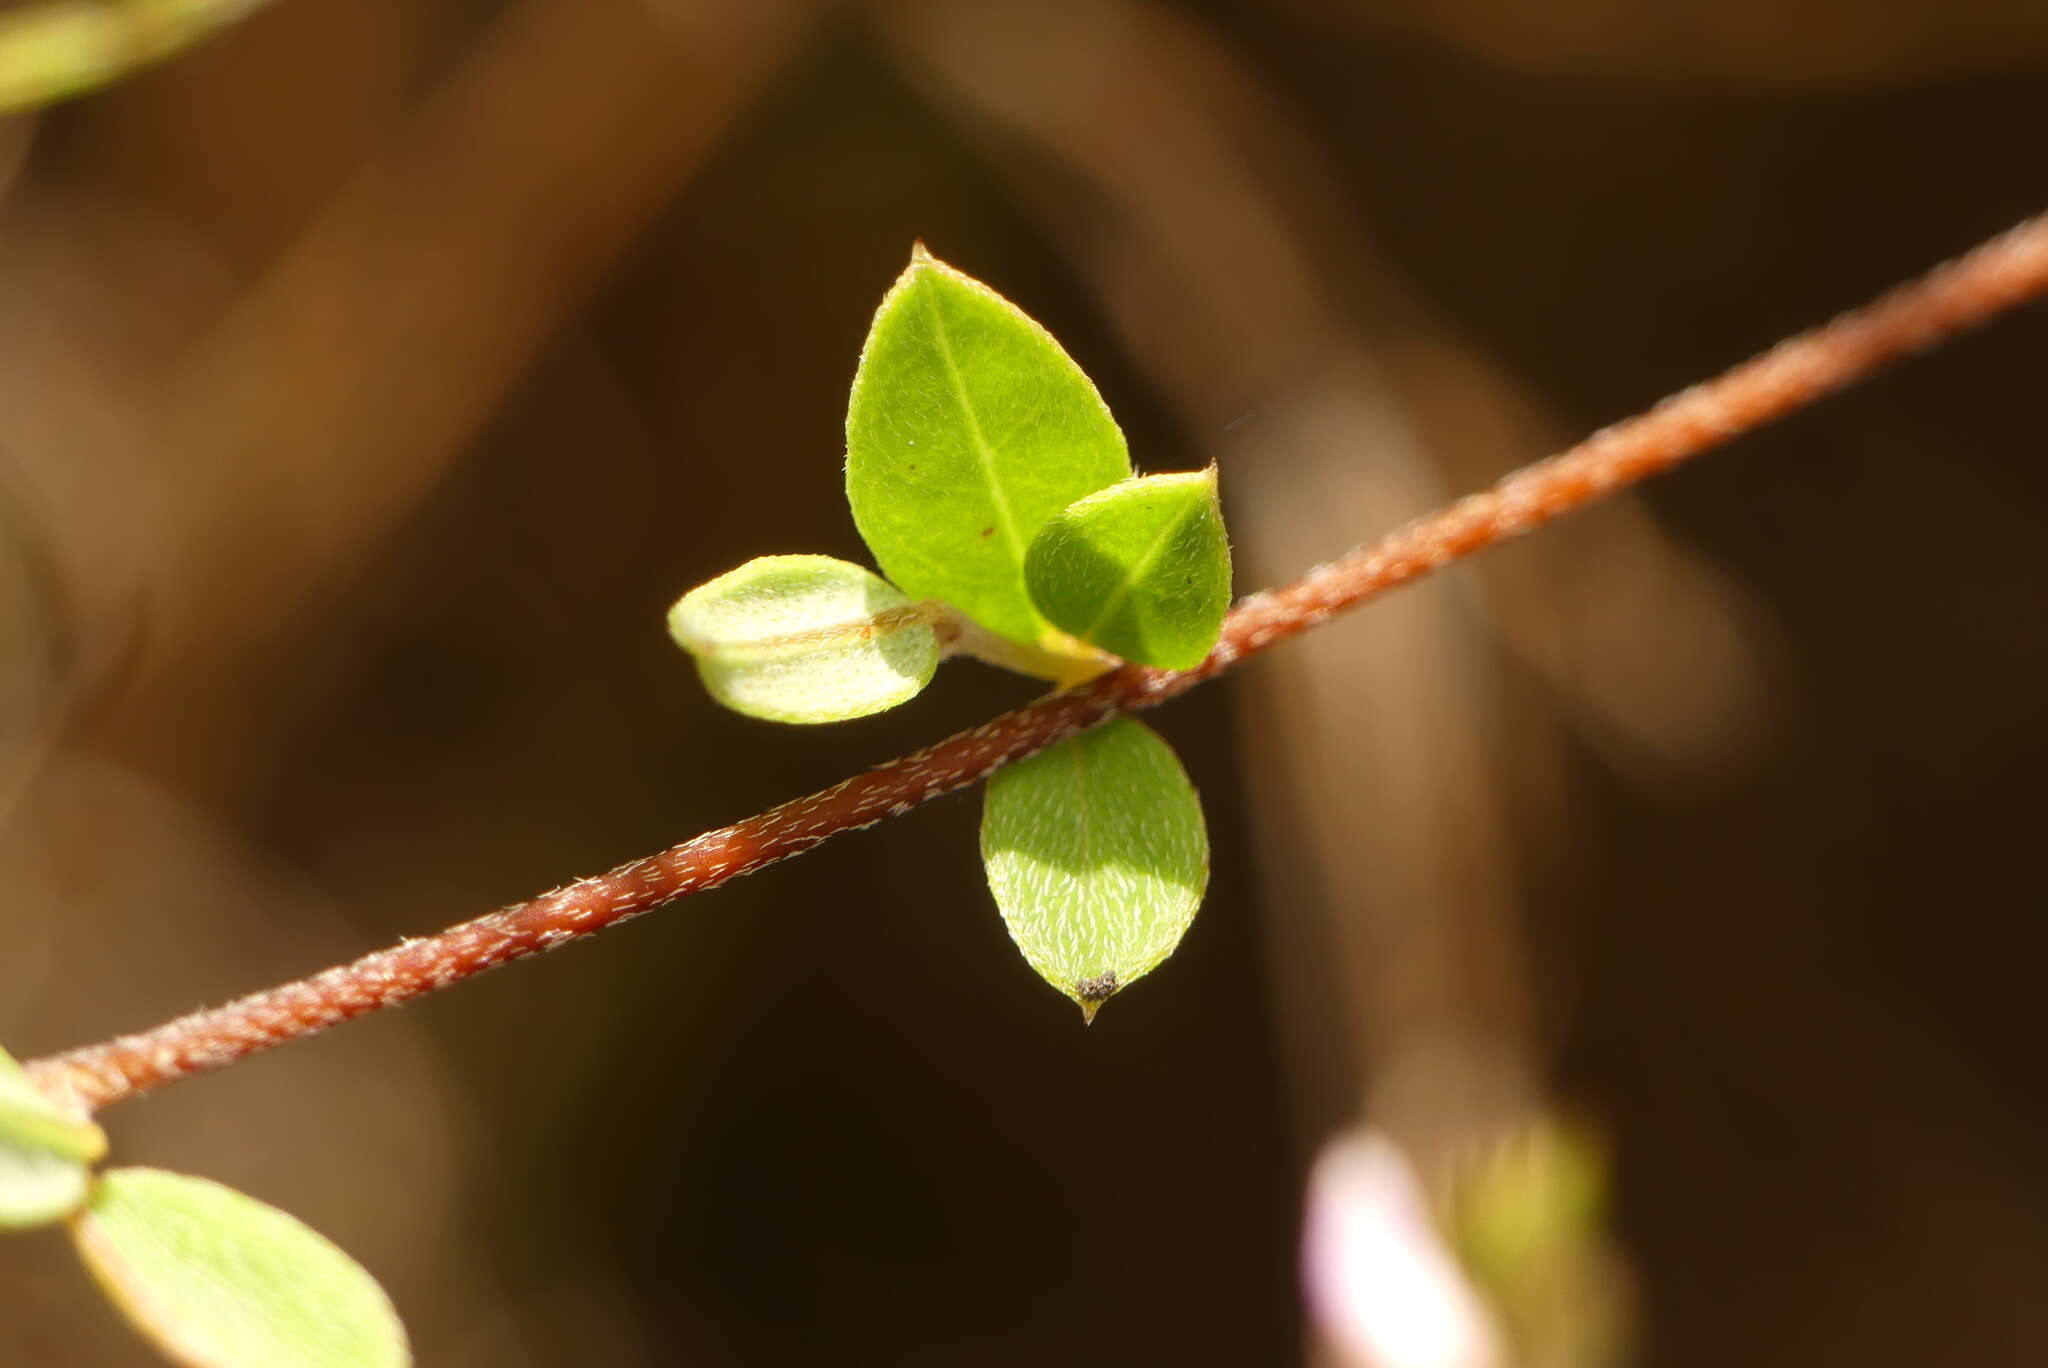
[[806, 639], [1097, 856], [1090, 994]]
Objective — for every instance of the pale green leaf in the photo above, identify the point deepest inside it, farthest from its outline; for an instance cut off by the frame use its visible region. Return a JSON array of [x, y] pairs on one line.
[[38, 1186], [1097, 856], [806, 639], [44, 1151], [968, 428], [30, 1119], [1141, 569], [219, 1280]]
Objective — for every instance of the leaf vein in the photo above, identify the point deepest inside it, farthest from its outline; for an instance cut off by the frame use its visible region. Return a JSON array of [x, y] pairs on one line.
[[984, 453], [1139, 568]]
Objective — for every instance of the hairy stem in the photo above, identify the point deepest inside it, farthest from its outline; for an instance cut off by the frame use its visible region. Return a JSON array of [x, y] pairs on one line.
[[2003, 273]]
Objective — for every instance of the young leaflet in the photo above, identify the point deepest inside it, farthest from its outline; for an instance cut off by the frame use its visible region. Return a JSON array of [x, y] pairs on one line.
[[995, 492]]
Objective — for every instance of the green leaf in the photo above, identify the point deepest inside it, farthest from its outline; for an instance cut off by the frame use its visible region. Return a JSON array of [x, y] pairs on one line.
[[1097, 856], [219, 1280], [30, 1119], [969, 427], [44, 1151], [807, 639], [38, 1187], [1141, 569]]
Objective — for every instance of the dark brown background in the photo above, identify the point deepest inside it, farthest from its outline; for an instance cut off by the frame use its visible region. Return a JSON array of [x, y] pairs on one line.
[[372, 377]]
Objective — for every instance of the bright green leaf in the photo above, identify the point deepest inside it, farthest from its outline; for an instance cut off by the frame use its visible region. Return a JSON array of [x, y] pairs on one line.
[[1141, 569], [969, 427], [219, 1280], [1097, 856], [44, 1151], [806, 639]]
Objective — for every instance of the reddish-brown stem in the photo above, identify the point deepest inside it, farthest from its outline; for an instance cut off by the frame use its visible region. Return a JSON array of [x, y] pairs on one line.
[[1997, 276]]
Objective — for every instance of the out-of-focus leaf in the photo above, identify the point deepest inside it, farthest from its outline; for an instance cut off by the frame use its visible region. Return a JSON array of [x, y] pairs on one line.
[[1529, 1219], [61, 48], [1141, 569], [806, 639], [219, 1280], [44, 1151], [968, 428], [29, 1118], [38, 1187], [1097, 855]]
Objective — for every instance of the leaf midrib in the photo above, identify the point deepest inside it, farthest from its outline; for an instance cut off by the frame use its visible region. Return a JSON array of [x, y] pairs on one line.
[[984, 453], [1116, 597]]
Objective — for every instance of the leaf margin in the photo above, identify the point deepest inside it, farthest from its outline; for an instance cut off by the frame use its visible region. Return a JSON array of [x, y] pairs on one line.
[[145, 1314]]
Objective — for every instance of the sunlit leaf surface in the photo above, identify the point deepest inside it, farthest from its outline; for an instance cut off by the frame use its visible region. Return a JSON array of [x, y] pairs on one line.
[[1097, 855], [968, 428]]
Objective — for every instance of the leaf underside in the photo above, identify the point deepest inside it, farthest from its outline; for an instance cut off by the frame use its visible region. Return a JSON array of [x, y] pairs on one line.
[[968, 428], [806, 639], [1141, 569], [219, 1280], [1097, 855]]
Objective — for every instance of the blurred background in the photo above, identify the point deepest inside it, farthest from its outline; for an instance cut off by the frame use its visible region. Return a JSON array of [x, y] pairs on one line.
[[1656, 904]]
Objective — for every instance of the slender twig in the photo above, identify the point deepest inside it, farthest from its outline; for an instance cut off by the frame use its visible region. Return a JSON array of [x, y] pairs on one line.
[[1997, 276]]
